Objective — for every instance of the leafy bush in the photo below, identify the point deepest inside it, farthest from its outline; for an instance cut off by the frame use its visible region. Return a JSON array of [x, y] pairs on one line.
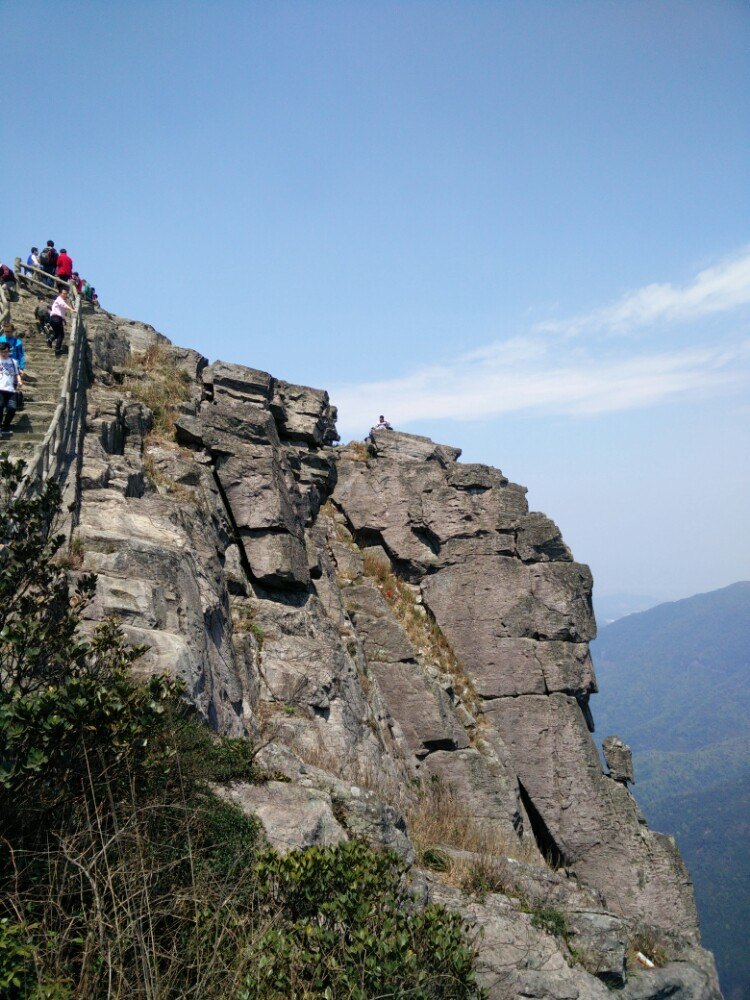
[[350, 929]]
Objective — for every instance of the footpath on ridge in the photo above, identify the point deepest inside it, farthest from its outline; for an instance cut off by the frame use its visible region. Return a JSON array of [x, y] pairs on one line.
[[40, 394]]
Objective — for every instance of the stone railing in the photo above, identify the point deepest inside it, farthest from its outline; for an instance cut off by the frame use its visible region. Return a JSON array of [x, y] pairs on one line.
[[53, 456]]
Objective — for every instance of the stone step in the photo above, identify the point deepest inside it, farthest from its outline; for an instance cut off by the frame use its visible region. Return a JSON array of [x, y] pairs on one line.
[[46, 368], [31, 420], [40, 401], [30, 428], [19, 439]]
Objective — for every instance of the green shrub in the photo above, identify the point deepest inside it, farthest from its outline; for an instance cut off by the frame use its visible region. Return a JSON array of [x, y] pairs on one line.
[[350, 929], [550, 920]]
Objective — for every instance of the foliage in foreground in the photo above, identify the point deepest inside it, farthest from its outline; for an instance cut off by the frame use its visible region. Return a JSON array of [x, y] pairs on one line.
[[122, 874]]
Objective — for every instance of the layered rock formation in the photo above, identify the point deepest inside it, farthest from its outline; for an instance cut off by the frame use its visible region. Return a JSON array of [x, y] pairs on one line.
[[387, 624]]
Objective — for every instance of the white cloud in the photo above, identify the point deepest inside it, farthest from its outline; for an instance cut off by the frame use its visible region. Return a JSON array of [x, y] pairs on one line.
[[720, 288], [485, 385], [544, 372]]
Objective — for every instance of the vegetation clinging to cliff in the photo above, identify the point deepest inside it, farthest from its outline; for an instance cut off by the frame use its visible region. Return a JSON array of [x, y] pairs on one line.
[[122, 874]]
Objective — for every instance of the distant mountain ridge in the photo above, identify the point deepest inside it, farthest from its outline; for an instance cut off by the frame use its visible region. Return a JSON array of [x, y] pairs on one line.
[[674, 685]]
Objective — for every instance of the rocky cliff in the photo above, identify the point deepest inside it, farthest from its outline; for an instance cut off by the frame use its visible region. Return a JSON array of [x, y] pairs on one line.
[[404, 641]]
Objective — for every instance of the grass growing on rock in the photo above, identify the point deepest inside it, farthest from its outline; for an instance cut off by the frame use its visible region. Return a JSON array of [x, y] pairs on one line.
[[424, 633], [436, 820], [158, 477], [355, 451], [162, 386]]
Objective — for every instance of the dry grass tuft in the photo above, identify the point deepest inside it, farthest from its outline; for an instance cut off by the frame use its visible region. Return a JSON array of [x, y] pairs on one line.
[[162, 389], [647, 941], [72, 558], [436, 818], [355, 451]]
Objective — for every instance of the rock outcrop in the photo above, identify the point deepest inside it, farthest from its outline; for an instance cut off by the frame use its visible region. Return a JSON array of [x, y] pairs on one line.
[[403, 640]]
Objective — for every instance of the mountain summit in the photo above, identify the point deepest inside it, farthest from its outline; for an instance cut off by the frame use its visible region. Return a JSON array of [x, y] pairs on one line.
[[403, 640]]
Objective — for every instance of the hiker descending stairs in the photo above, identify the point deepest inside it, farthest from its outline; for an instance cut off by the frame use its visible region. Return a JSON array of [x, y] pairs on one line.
[[47, 425]]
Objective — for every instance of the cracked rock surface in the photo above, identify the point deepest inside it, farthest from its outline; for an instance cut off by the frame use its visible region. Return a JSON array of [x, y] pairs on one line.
[[387, 624]]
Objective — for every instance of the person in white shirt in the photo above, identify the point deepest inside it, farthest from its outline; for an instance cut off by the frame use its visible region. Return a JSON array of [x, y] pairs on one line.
[[10, 383], [382, 424], [57, 320]]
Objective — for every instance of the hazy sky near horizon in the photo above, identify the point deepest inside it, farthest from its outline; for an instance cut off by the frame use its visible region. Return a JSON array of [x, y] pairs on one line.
[[520, 227]]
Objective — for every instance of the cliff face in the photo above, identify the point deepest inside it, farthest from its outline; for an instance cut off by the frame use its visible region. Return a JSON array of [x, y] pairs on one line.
[[400, 636]]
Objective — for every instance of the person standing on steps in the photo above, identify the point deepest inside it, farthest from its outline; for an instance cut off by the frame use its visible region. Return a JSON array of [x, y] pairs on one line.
[[14, 343], [48, 259], [10, 384], [57, 320], [64, 265], [33, 259], [18, 354]]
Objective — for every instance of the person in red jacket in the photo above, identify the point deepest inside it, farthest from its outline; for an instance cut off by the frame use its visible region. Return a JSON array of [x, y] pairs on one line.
[[64, 265]]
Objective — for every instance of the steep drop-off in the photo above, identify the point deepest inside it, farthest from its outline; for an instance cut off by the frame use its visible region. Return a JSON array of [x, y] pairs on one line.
[[675, 682], [402, 640]]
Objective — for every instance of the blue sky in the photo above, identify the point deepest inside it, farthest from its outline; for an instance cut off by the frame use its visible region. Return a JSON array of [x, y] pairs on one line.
[[518, 227]]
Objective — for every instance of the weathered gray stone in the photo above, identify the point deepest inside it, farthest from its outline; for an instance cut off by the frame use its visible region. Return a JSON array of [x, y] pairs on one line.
[[527, 666], [215, 555], [475, 477], [588, 822], [516, 957], [539, 539], [304, 414], [384, 638], [676, 981], [358, 810], [619, 759], [276, 559], [293, 816], [349, 561], [407, 447], [497, 597], [481, 786], [255, 489], [421, 708], [235, 382]]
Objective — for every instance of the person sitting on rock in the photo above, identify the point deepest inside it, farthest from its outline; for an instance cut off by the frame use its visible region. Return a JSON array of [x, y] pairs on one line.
[[382, 424], [64, 265], [10, 384], [57, 315]]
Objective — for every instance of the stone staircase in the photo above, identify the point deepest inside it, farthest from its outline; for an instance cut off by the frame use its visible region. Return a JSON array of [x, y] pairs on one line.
[[41, 394]]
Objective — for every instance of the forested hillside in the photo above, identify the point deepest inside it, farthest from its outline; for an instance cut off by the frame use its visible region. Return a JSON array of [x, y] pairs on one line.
[[674, 685]]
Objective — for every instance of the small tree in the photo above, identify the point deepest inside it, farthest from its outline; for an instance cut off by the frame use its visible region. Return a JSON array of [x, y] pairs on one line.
[[64, 698]]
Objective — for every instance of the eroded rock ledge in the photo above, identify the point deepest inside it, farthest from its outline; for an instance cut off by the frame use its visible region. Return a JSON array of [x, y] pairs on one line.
[[385, 622]]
